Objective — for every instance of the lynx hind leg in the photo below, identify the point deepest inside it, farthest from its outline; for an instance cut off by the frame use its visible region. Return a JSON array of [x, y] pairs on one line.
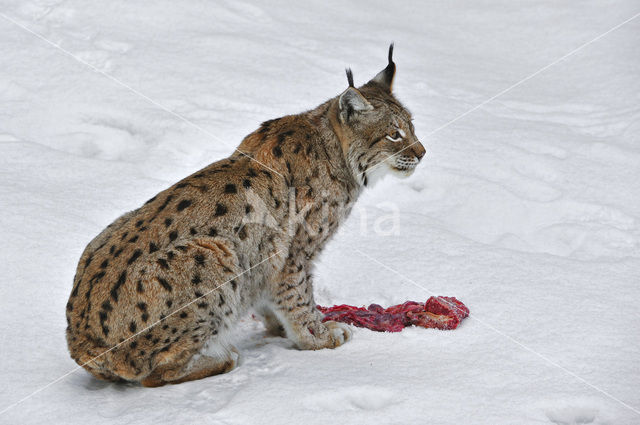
[[198, 366], [271, 322]]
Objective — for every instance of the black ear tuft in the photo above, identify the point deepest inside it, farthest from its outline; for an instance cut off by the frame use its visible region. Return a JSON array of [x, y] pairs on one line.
[[385, 77], [349, 77]]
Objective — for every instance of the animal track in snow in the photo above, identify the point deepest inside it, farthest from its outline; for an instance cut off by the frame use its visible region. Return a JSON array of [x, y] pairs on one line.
[[108, 137], [350, 398], [51, 13], [112, 46], [99, 59], [6, 138], [572, 415]]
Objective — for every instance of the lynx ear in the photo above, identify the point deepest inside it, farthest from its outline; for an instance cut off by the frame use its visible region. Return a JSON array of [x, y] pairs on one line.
[[385, 77], [352, 101]]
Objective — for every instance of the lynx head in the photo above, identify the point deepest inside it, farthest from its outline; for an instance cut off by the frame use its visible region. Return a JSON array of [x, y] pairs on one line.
[[375, 130]]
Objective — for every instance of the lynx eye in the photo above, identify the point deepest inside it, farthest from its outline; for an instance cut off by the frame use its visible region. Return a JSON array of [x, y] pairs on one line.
[[397, 136]]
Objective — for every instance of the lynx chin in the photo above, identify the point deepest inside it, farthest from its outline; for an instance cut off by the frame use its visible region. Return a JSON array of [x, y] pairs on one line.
[[157, 293]]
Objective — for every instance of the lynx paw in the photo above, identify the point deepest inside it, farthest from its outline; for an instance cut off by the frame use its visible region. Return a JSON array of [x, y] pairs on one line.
[[339, 333]]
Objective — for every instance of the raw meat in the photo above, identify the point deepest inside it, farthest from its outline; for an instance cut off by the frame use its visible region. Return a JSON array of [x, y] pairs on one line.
[[438, 312]]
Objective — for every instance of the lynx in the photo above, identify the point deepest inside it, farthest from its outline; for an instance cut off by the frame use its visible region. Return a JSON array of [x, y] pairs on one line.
[[157, 293]]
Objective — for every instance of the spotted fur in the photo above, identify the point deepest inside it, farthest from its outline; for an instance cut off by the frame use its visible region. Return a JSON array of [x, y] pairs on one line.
[[157, 292]]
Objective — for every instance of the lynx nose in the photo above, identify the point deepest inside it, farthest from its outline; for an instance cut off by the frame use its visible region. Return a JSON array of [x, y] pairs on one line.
[[418, 150]]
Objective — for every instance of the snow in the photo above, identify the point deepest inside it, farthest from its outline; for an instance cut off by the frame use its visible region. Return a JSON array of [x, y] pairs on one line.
[[526, 208]]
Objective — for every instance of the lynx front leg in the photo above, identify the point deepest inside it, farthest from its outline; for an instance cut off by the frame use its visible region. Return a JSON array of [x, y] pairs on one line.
[[293, 304]]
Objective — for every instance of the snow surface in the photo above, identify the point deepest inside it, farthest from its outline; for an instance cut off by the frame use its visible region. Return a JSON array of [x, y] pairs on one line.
[[527, 208]]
